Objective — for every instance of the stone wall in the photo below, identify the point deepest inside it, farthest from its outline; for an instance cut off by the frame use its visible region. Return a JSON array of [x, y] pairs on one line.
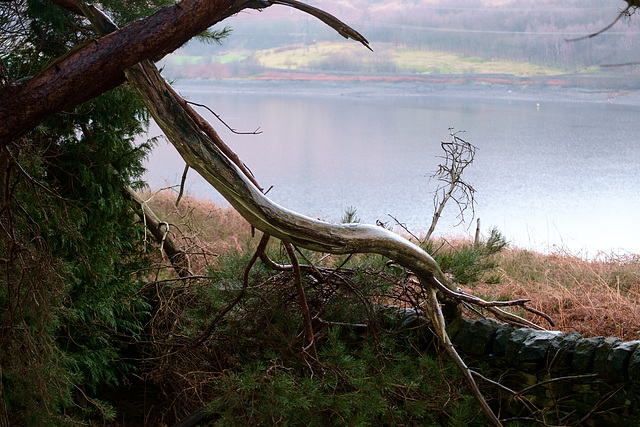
[[564, 379]]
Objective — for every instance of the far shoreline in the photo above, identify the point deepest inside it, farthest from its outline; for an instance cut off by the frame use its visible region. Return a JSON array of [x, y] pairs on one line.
[[375, 86]]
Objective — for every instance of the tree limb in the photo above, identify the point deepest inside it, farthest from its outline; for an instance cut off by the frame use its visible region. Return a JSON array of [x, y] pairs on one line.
[[437, 319], [597, 33], [98, 66], [343, 29], [202, 152]]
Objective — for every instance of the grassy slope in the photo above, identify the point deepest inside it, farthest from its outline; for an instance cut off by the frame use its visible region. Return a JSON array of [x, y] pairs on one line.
[[449, 63], [297, 57]]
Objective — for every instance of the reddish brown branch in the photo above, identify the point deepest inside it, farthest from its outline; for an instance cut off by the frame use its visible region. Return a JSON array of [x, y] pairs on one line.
[[98, 66], [306, 313], [245, 283]]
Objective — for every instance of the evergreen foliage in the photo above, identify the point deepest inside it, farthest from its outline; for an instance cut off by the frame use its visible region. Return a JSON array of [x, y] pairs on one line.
[[469, 263], [71, 248], [254, 371]]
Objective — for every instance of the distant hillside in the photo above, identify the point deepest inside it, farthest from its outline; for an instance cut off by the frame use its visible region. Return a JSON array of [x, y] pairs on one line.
[[489, 30]]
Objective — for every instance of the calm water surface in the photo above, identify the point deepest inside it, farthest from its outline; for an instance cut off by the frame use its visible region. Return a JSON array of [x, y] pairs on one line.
[[553, 169]]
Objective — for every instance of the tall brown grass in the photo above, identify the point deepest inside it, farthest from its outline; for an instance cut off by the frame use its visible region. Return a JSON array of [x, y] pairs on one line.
[[598, 297]]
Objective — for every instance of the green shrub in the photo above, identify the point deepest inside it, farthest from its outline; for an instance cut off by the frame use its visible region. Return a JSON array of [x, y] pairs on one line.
[[469, 263]]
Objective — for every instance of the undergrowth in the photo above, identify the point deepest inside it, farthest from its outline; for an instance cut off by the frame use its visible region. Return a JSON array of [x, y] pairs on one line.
[[595, 298], [374, 368]]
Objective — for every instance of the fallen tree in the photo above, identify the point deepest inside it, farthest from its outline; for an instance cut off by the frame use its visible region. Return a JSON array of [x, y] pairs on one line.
[[203, 150], [104, 62]]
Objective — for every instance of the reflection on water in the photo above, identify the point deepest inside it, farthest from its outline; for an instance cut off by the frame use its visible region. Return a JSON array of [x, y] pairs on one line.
[[565, 174]]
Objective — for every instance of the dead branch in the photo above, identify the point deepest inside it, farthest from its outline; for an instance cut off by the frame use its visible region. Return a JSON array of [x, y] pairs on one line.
[[306, 313], [343, 29], [310, 268], [439, 324], [217, 116], [601, 402], [205, 127], [622, 13], [203, 155], [493, 306], [201, 151], [404, 227], [160, 230], [459, 154], [182, 181]]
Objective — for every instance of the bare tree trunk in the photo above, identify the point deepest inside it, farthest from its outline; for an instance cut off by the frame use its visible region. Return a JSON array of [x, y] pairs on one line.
[[96, 67], [201, 151], [201, 154]]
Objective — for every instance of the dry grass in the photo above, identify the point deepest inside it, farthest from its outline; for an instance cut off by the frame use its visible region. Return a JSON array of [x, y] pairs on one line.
[[595, 298], [202, 229]]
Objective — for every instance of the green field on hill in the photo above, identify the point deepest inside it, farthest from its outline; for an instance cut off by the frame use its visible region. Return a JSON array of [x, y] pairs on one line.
[[385, 58]]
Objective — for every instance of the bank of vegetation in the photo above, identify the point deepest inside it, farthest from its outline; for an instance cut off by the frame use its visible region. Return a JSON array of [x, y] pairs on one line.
[[122, 353], [595, 297]]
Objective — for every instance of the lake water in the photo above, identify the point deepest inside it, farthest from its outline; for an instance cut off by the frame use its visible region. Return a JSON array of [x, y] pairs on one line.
[[554, 168]]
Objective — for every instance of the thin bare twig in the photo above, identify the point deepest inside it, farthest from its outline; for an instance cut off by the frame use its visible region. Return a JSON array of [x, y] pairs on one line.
[[600, 403], [212, 134], [255, 132], [184, 178], [404, 227], [554, 380], [597, 33], [495, 383]]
